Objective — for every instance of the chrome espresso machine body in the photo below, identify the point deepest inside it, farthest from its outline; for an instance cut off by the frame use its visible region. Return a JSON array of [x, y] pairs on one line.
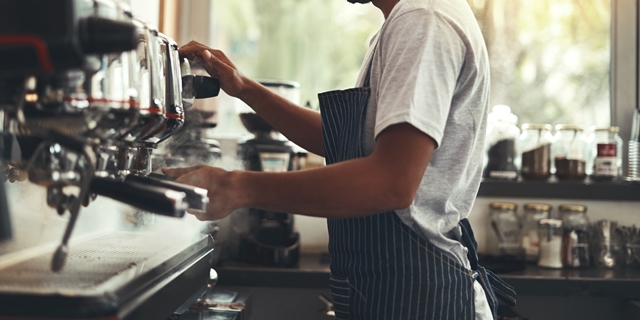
[[87, 92]]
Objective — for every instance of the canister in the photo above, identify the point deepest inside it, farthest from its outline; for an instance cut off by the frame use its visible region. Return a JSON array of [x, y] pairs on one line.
[[550, 234]]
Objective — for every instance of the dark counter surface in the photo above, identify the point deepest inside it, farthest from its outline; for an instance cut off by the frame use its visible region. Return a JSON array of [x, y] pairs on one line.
[[590, 282], [313, 272]]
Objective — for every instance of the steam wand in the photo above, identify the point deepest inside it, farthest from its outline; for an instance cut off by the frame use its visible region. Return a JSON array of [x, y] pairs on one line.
[[60, 256]]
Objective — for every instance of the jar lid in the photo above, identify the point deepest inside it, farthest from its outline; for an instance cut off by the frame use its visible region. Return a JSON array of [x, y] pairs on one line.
[[537, 207], [503, 206], [536, 126], [573, 127], [554, 223], [573, 208], [609, 129]]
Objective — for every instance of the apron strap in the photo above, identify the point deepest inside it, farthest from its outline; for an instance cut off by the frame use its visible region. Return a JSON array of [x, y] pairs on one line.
[[494, 287]]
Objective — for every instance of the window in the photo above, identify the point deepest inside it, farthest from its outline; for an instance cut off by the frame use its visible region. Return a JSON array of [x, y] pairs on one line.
[[318, 43], [552, 61]]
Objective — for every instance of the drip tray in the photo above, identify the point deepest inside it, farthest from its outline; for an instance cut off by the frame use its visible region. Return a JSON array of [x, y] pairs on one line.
[[119, 275]]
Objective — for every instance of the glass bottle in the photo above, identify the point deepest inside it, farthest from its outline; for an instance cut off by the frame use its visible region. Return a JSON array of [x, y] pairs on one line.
[[569, 152], [533, 213], [535, 145], [506, 225], [550, 234], [606, 154], [634, 149], [575, 236], [502, 135]]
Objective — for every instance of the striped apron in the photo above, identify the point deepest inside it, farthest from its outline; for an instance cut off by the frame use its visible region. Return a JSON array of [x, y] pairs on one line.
[[381, 268]]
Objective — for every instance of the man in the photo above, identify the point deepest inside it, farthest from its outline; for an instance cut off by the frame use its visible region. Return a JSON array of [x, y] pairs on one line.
[[404, 157]]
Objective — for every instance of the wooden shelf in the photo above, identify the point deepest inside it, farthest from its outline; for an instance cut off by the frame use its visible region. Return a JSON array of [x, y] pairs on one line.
[[587, 190]]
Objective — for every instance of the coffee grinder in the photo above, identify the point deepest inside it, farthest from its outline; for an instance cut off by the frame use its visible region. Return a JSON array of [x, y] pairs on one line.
[[266, 237]]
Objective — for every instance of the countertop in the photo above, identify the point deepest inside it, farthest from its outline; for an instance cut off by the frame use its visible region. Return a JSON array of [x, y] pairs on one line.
[[312, 272]]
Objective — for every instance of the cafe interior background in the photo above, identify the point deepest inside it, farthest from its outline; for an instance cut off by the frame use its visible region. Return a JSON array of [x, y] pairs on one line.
[[552, 62]]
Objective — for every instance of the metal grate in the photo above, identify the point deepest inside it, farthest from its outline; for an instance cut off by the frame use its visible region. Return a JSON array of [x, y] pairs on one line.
[[91, 263]]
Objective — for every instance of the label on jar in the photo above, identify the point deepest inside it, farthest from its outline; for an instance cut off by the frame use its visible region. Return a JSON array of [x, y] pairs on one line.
[[606, 161], [503, 174]]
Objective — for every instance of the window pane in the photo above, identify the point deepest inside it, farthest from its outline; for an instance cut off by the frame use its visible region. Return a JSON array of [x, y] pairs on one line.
[[549, 58], [318, 43]]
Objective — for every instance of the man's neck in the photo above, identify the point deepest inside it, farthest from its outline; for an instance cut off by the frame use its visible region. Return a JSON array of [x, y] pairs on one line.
[[385, 6]]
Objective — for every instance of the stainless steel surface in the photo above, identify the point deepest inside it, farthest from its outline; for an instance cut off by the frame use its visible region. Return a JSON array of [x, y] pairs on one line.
[[94, 265], [5, 220]]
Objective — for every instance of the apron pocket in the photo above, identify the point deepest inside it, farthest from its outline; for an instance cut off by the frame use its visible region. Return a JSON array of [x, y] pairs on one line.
[[341, 295]]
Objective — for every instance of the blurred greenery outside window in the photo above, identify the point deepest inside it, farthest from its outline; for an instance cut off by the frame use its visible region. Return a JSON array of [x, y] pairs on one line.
[[550, 59]]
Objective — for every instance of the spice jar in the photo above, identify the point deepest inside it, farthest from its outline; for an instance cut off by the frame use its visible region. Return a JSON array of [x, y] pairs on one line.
[[606, 149], [506, 225], [529, 240], [502, 134], [575, 236], [569, 152], [550, 233], [535, 145]]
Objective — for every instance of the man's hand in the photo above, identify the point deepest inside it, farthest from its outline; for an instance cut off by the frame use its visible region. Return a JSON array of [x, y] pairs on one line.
[[300, 125], [216, 63], [223, 195]]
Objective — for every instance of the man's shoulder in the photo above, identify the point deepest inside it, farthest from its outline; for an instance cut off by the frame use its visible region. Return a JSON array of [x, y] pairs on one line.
[[416, 6], [415, 12]]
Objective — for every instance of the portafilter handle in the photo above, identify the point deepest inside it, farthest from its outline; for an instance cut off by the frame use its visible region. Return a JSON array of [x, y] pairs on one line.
[[199, 87], [196, 197], [163, 201]]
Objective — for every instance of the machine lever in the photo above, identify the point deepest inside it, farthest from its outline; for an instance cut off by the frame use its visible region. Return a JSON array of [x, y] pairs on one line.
[[196, 197], [163, 201]]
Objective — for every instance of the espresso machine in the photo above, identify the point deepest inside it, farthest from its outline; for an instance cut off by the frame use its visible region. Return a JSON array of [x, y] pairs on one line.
[[265, 237], [88, 93]]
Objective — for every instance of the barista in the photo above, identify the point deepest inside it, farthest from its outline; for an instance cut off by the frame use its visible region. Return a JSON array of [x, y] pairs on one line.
[[404, 156]]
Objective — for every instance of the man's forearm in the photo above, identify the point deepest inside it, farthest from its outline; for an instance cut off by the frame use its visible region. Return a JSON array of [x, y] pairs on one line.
[[348, 189], [301, 125]]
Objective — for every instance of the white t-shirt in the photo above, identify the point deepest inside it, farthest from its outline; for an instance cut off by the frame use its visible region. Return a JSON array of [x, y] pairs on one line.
[[431, 70]]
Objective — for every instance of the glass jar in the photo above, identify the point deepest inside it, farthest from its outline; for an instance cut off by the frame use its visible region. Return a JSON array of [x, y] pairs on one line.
[[502, 134], [606, 245], [575, 236], [550, 235], [569, 152], [606, 154], [535, 145], [533, 213], [506, 225]]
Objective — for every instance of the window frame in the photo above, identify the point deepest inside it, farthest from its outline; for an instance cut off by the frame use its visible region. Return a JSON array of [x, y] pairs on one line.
[[624, 84]]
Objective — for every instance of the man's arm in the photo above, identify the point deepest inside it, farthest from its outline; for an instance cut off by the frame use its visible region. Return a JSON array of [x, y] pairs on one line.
[[386, 180], [300, 125]]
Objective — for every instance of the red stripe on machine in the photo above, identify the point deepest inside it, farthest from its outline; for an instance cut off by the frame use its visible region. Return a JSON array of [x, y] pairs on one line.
[[42, 51]]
